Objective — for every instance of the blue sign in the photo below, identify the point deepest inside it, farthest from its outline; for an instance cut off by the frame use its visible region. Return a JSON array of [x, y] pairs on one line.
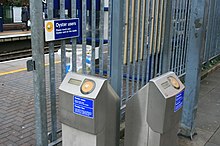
[[67, 28], [179, 101], [83, 107]]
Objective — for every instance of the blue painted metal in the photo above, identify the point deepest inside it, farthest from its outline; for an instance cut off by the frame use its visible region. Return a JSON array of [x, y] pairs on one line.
[[192, 78], [116, 50], [116, 45], [145, 38], [140, 46], [78, 4], [134, 47], [123, 99], [128, 61]]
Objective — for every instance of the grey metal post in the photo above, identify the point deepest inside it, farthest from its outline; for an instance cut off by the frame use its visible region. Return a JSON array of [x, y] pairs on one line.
[[37, 44], [116, 45], [63, 43], [52, 78], [116, 50], [167, 37], [74, 40], [193, 67]]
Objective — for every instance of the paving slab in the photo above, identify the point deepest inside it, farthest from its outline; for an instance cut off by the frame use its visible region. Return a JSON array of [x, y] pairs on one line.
[[198, 140], [215, 139], [207, 122], [211, 144]]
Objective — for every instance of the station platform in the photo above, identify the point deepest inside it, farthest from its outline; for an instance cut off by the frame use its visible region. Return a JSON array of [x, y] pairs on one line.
[[14, 35], [17, 124]]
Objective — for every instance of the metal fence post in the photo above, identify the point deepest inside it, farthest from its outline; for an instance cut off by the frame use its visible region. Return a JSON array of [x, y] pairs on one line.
[[116, 45], [52, 78], [167, 37], [193, 67], [37, 44], [116, 52], [63, 42]]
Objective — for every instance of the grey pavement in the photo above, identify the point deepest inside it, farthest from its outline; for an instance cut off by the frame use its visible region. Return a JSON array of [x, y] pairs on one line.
[[208, 115], [17, 110]]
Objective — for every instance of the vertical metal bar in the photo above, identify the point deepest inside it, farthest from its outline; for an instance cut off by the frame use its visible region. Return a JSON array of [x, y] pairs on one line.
[[179, 38], [74, 40], [109, 39], [132, 40], [101, 37], [122, 53], [160, 37], [184, 17], [187, 32], [126, 15], [93, 37], [176, 42], [84, 31], [181, 33], [156, 37], [137, 29], [214, 31], [138, 41], [149, 47], [130, 21], [209, 28], [206, 15], [218, 23], [63, 47], [37, 44], [134, 45], [116, 47], [167, 43], [126, 55], [52, 78], [144, 41], [192, 78], [116, 44], [208, 12], [132, 29], [174, 34], [153, 27]]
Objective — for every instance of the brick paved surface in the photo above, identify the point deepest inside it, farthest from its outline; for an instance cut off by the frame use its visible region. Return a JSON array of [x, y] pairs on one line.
[[17, 123]]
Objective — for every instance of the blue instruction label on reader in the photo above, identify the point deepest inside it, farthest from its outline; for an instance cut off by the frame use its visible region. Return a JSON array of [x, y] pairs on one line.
[[83, 107], [179, 101]]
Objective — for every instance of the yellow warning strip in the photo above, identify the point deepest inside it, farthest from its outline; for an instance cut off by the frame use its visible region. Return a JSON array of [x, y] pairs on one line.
[[22, 69]]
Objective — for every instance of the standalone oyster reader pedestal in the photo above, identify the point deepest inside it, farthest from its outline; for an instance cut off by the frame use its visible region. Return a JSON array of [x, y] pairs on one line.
[[89, 110], [153, 113]]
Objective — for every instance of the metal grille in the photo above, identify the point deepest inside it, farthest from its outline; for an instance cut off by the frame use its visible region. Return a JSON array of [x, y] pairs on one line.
[[144, 41], [212, 40], [180, 21]]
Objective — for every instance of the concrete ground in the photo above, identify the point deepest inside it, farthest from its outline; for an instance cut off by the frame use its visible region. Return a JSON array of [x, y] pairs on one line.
[[17, 125], [208, 116]]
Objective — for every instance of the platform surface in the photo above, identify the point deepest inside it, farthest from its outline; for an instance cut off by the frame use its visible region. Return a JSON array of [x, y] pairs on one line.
[[17, 125], [14, 34]]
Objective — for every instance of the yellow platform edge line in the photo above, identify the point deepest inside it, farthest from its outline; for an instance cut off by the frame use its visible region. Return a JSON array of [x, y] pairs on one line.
[[22, 69]]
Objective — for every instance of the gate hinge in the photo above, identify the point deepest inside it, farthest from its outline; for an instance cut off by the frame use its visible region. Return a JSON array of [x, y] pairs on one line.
[[30, 65]]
